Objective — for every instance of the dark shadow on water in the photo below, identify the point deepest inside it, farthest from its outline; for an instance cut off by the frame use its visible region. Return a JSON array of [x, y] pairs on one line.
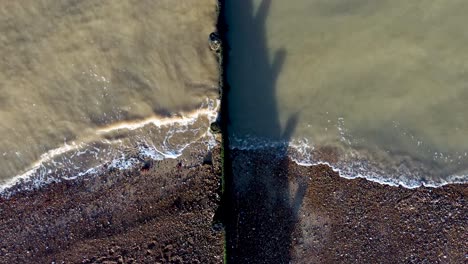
[[251, 74], [263, 209]]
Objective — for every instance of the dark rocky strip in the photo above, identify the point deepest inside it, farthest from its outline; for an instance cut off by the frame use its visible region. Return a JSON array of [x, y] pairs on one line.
[[225, 213]]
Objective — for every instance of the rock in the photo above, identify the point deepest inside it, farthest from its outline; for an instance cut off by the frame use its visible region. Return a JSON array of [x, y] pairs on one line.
[[109, 262], [177, 259], [215, 127], [101, 259], [218, 227], [215, 42], [152, 244], [190, 241], [168, 248], [208, 159]]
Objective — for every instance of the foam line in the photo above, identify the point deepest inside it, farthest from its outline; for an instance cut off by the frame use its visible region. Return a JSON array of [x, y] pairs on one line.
[[49, 155], [455, 179], [160, 122], [349, 170], [208, 109]]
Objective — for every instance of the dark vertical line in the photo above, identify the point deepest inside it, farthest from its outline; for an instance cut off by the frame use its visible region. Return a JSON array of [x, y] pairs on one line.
[[225, 213]]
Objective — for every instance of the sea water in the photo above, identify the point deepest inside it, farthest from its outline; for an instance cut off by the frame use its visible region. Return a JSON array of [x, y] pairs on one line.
[[88, 83], [380, 87]]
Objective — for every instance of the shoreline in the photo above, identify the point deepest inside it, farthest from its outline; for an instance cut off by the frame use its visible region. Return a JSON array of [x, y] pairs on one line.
[[156, 211], [111, 217], [274, 211], [385, 182], [368, 174], [308, 155], [33, 178], [145, 213], [320, 217], [27, 181]]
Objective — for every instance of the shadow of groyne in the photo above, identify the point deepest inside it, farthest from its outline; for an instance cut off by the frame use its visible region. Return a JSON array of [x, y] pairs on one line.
[[260, 206]]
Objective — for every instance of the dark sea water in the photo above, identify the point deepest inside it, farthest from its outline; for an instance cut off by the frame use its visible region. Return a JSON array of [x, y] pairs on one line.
[[376, 89], [84, 83]]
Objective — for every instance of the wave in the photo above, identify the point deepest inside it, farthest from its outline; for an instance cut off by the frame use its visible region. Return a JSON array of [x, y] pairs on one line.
[[119, 146], [350, 164]]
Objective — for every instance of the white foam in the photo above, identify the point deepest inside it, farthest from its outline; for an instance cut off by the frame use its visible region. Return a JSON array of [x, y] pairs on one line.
[[359, 169], [36, 166], [373, 177], [37, 174], [301, 152], [181, 120]]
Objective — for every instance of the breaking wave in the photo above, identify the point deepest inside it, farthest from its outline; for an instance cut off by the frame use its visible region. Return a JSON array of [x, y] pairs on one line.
[[350, 163], [120, 146]]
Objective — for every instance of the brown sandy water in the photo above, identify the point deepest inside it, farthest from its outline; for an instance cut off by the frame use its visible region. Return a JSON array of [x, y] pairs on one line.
[[80, 81], [380, 84]]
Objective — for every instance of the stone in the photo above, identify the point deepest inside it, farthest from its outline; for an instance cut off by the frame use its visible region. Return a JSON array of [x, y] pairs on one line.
[[215, 42]]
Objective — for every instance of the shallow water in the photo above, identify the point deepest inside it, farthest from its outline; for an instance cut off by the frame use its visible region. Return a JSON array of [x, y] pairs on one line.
[[75, 74], [380, 86]]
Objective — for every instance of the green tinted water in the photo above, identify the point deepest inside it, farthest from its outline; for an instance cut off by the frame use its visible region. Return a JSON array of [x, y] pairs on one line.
[[383, 84]]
